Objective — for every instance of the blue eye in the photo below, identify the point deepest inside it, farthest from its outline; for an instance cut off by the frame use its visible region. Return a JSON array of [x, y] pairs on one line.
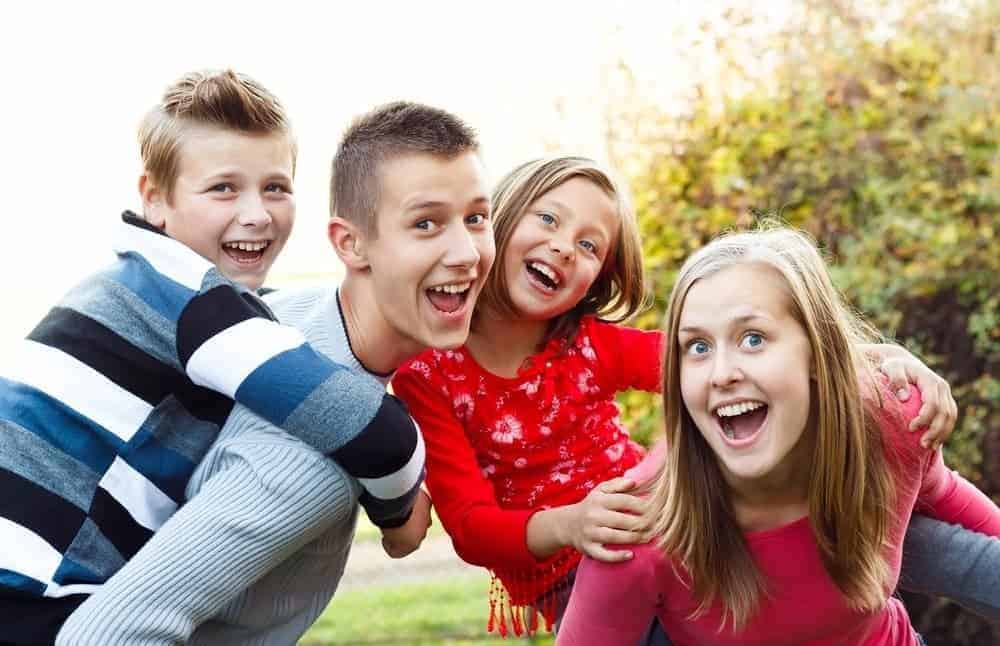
[[753, 340], [589, 246], [547, 218], [277, 188], [476, 219], [697, 347], [223, 188], [424, 225]]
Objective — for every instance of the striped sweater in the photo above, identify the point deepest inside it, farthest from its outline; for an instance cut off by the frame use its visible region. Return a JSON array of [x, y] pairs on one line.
[[109, 404]]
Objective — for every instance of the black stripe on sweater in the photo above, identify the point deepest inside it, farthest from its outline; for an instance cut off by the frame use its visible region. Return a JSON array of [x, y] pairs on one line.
[[214, 311], [49, 515], [117, 524], [384, 446]]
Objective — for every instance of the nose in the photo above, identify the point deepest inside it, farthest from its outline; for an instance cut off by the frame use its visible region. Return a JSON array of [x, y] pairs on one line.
[[562, 249], [725, 371], [462, 250], [253, 212]]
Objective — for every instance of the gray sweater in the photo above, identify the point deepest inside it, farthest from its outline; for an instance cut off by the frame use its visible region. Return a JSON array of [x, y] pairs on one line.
[[256, 553]]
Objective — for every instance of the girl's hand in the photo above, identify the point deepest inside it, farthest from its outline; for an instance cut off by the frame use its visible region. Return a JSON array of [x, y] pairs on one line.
[[939, 410], [608, 515]]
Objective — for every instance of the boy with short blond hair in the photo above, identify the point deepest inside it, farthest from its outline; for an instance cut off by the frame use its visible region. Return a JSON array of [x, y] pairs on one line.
[[112, 400], [241, 564]]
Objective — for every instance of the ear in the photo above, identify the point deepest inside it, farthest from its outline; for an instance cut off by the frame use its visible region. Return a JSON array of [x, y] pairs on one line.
[[153, 202], [349, 243]]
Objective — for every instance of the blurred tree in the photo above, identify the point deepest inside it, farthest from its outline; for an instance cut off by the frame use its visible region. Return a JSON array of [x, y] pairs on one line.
[[874, 126]]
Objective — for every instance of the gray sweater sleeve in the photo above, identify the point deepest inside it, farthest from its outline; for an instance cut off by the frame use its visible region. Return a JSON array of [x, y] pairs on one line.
[[266, 496]]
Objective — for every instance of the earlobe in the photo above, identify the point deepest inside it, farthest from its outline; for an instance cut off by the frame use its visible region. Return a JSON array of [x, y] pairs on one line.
[[348, 242], [152, 202]]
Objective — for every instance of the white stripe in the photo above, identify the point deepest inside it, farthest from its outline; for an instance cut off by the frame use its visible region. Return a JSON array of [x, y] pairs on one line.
[[76, 385], [168, 256], [396, 484], [144, 501], [33, 556], [56, 590], [225, 360]]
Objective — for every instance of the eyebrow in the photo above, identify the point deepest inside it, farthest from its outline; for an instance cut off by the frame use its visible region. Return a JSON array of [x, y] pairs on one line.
[[425, 205], [739, 320]]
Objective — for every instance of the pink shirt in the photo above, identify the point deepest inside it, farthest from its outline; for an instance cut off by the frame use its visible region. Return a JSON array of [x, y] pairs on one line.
[[615, 603]]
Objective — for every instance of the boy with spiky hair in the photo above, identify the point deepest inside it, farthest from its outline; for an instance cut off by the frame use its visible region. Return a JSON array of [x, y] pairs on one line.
[[241, 563], [112, 400]]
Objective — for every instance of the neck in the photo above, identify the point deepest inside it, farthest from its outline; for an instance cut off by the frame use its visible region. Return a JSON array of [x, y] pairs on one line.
[[502, 343], [782, 494], [378, 347]]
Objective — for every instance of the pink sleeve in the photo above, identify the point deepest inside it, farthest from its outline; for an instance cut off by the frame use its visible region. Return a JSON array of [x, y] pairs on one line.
[[482, 532], [634, 356], [944, 494], [611, 603]]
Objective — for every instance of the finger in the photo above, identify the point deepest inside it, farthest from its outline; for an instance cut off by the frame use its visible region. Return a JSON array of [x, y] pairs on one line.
[[611, 536], [613, 520], [621, 502], [598, 552], [898, 382], [616, 485]]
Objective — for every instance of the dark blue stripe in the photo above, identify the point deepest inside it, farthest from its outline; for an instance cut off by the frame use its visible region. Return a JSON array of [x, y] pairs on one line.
[[70, 572], [161, 293], [384, 446], [18, 583], [58, 424], [168, 470], [279, 385], [390, 513]]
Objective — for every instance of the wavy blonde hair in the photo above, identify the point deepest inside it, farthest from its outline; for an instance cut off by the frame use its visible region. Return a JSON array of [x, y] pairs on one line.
[[619, 290], [850, 492]]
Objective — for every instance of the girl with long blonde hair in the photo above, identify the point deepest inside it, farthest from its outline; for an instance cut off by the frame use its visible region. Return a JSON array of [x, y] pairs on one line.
[[779, 511]]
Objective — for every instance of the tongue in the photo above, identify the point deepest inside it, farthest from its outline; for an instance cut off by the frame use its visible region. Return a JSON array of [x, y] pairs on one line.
[[242, 255], [745, 425], [445, 302]]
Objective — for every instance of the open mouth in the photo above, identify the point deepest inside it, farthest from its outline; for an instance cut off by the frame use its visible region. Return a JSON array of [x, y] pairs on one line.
[[245, 252], [741, 422], [449, 298], [543, 275]]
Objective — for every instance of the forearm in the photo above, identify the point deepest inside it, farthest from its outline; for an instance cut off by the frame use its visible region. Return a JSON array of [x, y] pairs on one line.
[[945, 560], [240, 525], [544, 534]]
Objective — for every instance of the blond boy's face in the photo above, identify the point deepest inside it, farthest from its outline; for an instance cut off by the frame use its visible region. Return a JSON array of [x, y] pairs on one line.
[[232, 201], [433, 248]]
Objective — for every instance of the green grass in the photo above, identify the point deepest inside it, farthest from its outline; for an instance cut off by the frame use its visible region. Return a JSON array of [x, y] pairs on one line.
[[365, 531], [443, 612]]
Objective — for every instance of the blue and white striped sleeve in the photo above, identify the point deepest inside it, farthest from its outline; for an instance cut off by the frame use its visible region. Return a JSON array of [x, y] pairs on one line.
[[226, 341]]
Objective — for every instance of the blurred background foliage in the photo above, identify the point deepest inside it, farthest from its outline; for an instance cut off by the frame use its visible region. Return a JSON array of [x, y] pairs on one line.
[[874, 126]]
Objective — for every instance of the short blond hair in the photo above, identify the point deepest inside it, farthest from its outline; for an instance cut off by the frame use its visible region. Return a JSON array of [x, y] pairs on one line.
[[619, 290], [381, 135], [223, 99]]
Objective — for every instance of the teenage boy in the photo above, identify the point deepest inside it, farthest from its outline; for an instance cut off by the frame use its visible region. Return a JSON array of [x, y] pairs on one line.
[[112, 400], [258, 551]]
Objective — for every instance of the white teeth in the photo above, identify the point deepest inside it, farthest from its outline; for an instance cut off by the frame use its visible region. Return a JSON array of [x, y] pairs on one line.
[[248, 246], [452, 289], [537, 266], [737, 409]]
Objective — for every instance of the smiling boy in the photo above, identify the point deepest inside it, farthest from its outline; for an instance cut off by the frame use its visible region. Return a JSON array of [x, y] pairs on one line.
[[110, 403], [258, 550]]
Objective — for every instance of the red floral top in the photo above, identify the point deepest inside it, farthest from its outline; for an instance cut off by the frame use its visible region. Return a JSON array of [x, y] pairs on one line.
[[499, 449]]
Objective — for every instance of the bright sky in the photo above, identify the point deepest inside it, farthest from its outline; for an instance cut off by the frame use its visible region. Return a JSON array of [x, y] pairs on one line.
[[531, 77]]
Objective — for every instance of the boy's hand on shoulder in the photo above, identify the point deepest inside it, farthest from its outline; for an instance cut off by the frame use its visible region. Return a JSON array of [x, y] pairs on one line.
[[938, 412], [405, 539]]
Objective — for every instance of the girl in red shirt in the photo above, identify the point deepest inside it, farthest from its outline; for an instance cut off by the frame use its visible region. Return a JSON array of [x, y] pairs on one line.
[[780, 509], [525, 451]]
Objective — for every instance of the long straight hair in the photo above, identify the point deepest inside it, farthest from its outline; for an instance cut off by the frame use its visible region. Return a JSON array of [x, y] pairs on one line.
[[850, 491]]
